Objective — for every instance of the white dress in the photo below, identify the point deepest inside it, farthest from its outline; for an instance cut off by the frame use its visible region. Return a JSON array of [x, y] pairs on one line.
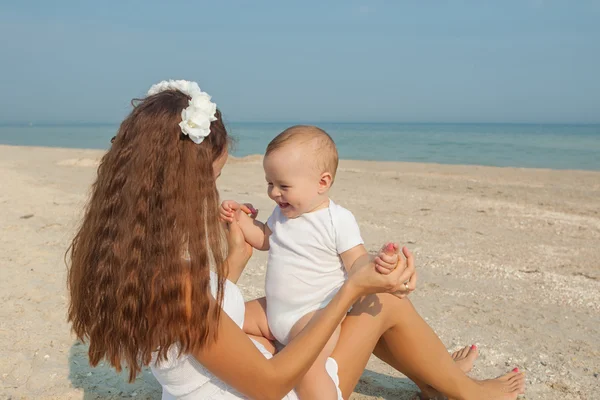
[[184, 378]]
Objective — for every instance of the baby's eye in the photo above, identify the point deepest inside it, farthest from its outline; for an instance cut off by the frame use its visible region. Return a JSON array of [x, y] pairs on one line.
[[285, 187], [269, 184]]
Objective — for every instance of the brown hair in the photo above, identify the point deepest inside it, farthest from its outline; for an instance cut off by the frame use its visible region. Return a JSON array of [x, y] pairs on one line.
[[325, 151], [155, 200]]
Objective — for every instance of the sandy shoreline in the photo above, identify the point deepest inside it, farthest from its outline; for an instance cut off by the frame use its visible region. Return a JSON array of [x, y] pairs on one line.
[[508, 259]]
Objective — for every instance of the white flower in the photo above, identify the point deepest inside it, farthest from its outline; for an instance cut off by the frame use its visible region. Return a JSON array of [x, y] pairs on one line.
[[196, 118]]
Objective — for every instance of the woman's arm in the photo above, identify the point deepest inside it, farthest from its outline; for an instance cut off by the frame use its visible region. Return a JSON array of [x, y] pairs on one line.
[[239, 251], [235, 266], [235, 360]]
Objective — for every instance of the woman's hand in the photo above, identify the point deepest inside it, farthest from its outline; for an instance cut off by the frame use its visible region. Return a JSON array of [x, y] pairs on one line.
[[239, 252], [411, 284], [387, 261], [365, 279], [229, 208]]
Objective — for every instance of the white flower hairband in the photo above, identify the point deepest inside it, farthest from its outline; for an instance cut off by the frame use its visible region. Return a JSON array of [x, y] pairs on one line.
[[196, 118]]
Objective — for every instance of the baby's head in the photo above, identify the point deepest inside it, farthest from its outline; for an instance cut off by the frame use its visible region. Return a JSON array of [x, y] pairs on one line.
[[300, 166]]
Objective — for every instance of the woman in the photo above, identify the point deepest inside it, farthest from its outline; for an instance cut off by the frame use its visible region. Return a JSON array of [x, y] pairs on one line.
[[142, 292]]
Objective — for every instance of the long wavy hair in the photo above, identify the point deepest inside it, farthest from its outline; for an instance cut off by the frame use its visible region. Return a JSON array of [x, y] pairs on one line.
[[139, 277]]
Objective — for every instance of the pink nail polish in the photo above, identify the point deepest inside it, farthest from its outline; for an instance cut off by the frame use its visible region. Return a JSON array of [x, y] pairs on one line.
[[473, 347], [515, 370], [390, 247]]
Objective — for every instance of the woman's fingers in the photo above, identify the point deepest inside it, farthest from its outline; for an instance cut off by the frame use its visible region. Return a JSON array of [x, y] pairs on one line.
[[404, 278], [230, 207], [410, 258], [233, 228], [374, 278], [392, 278], [226, 216], [409, 263], [407, 287], [238, 248], [412, 282], [236, 238], [227, 210]]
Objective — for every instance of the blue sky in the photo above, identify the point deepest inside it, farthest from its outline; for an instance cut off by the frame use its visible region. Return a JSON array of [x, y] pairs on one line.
[[414, 61]]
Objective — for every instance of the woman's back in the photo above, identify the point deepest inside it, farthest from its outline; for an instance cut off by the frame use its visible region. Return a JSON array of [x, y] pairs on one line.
[[184, 377]]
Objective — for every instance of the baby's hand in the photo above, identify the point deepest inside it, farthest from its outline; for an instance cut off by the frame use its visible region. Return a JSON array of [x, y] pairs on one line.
[[387, 259], [230, 207]]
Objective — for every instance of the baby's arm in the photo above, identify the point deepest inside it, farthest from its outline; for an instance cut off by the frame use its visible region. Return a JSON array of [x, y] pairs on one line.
[[354, 255], [255, 232], [350, 246], [385, 261]]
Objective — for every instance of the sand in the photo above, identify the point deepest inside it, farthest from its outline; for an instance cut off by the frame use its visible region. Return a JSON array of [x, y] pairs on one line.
[[508, 258]]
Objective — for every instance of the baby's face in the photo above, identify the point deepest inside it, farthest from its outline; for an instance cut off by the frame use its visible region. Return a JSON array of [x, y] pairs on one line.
[[293, 181]]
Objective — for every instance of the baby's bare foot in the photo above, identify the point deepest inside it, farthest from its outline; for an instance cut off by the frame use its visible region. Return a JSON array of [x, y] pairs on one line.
[[506, 387], [465, 357]]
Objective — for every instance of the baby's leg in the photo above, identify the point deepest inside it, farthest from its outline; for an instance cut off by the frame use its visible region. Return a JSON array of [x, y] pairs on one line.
[[317, 384], [256, 325]]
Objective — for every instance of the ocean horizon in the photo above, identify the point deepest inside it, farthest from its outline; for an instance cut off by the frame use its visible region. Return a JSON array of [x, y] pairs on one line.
[[522, 145]]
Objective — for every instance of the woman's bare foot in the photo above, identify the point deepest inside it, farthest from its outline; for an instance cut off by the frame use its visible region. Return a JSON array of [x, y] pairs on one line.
[[464, 359], [506, 387]]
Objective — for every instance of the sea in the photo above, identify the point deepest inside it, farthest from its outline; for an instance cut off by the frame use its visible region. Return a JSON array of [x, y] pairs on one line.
[[554, 146]]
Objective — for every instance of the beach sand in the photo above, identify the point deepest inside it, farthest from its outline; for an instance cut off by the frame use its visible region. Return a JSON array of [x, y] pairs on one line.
[[508, 259]]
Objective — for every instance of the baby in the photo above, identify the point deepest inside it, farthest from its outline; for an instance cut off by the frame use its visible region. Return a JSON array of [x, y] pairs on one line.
[[312, 242]]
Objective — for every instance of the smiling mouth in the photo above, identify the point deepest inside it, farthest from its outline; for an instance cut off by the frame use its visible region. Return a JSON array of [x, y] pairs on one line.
[[284, 205]]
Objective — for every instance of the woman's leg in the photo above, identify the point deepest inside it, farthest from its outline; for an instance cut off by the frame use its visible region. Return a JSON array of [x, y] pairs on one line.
[[463, 358], [415, 347], [390, 328], [256, 326]]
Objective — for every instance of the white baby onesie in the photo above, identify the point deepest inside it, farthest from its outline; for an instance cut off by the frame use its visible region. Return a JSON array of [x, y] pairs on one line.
[[304, 269]]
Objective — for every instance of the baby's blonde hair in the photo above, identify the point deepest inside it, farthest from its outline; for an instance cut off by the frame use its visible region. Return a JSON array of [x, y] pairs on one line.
[[326, 154]]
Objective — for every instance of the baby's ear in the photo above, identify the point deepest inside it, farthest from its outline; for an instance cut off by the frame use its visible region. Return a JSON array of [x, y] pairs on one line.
[[325, 182]]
